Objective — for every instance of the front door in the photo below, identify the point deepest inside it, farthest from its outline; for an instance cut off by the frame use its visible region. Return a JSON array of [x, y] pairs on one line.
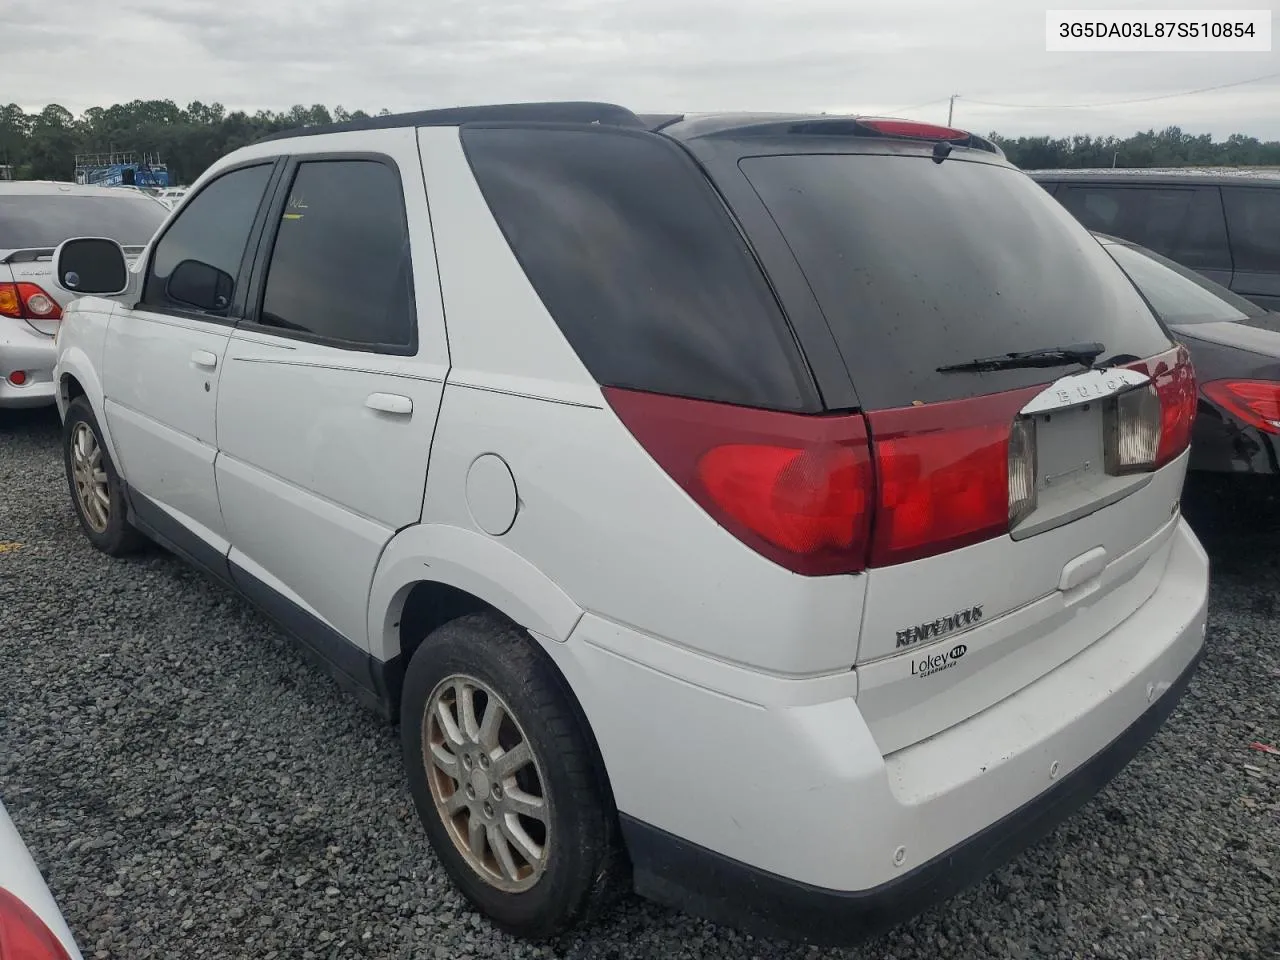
[[163, 359]]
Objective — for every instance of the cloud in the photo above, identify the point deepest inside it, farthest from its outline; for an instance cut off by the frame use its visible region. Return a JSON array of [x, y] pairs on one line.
[[648, 54]]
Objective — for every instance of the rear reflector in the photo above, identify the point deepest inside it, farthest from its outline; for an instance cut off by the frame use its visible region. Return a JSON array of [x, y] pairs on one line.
[[1255, 402], [18, 377], [23, 935], [912, 130]]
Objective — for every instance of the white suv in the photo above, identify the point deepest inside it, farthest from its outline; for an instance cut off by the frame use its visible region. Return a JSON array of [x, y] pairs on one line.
[[780, 514]]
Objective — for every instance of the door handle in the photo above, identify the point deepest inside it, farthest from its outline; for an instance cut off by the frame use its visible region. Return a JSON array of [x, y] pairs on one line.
[[203, 358], [389, 403]]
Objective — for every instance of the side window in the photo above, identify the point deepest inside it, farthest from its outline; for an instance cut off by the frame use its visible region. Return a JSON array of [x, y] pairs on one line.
[[638, 263], [196, 264], [340, 267], [1188, 226], [1098, 208], [1182, 223], [1254, 215]]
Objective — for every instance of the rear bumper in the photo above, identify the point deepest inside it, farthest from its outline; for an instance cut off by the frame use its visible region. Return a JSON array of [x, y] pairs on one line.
[[33, 354], [680, 874], [766, 802]]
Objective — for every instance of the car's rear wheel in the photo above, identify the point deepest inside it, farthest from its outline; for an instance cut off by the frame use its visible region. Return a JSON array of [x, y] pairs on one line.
[[97, 492], [506, 779]]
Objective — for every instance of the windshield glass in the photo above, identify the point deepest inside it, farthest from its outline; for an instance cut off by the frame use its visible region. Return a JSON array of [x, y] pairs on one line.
[[919, 265], [45, 220], [1178, 293]]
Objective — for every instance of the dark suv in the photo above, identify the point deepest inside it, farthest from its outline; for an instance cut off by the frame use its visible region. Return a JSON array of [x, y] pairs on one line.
[[1222, 223]]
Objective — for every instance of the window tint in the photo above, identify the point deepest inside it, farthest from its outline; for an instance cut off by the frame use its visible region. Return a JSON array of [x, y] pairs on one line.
[[208, 237], [340, 267], [919, 265], [45, 220], [637, 260], [1254, 215], [1174, 295], [1184, 223]]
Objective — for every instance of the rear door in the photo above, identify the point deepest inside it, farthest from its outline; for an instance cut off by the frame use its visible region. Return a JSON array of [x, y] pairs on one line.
[[1184, 223], [918, 266], [1253, 214], [331, 389]]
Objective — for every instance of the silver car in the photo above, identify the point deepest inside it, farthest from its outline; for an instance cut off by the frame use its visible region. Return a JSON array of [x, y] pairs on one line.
[[35, 216]]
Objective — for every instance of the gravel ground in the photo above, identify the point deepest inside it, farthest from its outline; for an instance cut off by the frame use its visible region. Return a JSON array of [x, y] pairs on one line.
[[192, 788]]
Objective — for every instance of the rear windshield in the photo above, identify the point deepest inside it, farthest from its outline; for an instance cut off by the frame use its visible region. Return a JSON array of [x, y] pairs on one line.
[[918, 265], [1178, 293], [45, 220]]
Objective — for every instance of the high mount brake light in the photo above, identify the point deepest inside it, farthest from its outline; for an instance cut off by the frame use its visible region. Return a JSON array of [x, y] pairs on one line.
[[913, 130], [27, 301], [1255, 402], [23, 935]]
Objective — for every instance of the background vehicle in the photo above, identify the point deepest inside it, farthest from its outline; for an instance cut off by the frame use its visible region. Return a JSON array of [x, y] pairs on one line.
[[1235, 346], [31, 926], [663, 529], [35, 216], [1224, 224]]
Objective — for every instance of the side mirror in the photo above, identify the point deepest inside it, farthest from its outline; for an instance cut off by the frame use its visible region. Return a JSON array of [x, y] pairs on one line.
[[201, 286], [91, 266]]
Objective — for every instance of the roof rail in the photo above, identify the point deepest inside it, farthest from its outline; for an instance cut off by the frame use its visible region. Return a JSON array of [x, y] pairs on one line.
[[555, 112]]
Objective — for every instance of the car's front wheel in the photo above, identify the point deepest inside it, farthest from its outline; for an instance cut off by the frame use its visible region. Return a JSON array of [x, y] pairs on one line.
[[506, 779], [97, 492]]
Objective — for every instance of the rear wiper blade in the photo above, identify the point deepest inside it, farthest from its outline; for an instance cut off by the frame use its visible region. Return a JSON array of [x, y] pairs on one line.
[[1084, 354]]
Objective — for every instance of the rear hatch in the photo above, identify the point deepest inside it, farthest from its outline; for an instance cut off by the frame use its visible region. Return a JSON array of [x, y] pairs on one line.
[[1022, 511]]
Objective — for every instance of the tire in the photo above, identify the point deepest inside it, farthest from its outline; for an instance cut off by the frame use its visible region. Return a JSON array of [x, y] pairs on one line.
[[110, 530], [582, 862]]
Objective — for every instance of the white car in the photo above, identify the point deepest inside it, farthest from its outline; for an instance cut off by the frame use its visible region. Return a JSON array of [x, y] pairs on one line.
[[777, 514], [171, 196], [31, 926], [35, 216]]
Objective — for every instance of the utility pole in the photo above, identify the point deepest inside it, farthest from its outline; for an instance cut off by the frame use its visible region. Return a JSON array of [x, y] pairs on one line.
[[951, 107]]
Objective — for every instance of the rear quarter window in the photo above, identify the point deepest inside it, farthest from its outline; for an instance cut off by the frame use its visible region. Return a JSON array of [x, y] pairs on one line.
[[639, 263], [918, 265]]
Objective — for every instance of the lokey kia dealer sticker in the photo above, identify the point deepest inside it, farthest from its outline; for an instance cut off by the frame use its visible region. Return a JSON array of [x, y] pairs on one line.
[[930, 664]]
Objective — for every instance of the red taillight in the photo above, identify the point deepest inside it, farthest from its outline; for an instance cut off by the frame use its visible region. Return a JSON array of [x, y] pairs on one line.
[[1174, 378], [912, 130], [795, 488], [23, 936], [27, 301], [943, 475], [1255, 402]]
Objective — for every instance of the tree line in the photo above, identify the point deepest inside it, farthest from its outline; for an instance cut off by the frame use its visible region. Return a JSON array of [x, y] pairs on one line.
[[43, 145]]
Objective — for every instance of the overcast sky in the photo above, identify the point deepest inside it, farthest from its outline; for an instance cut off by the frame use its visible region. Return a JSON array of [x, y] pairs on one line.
[[651, 55]]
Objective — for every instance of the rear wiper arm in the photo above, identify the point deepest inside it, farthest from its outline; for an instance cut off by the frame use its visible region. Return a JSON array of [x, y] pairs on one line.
[[1084, 354]]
